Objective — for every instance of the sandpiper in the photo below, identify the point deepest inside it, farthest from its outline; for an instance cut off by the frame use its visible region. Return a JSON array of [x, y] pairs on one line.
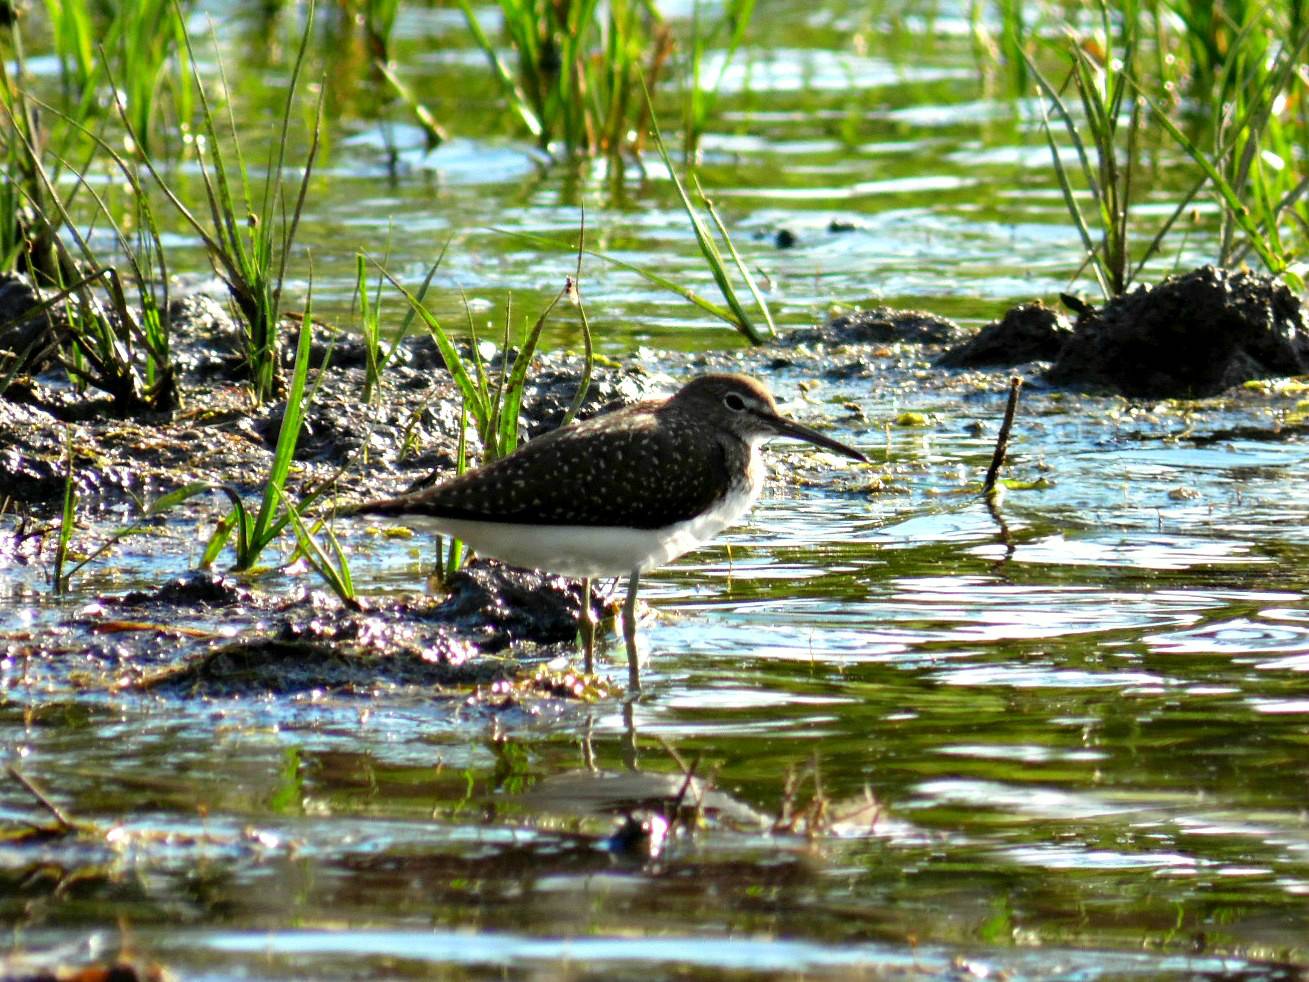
[[617, 494]]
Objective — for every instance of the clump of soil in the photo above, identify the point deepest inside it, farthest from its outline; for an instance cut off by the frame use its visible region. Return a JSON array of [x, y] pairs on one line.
[[881, 325], [1190, 336], [1028, 332]]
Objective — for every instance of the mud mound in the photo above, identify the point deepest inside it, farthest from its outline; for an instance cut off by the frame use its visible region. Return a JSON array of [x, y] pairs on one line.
[[881, 325], [1190, 336], [1028, 332]]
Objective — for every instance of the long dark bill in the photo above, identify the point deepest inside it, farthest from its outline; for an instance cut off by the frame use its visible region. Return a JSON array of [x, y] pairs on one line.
[[789, 427]]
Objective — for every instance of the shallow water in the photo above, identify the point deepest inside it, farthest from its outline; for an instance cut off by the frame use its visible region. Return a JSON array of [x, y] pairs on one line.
[[1083, 721]]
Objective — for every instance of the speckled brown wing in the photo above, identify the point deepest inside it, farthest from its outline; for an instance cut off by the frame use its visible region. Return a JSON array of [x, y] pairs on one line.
[[611, 470]]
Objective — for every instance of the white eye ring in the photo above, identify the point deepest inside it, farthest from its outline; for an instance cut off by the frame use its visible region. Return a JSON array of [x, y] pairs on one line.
[[734, 402]]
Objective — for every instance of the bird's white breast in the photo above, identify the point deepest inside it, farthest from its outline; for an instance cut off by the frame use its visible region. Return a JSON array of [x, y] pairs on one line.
[[598, 551]]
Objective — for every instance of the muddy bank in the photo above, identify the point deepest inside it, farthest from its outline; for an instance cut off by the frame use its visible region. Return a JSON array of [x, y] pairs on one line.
[[206, 634], [217, 436]]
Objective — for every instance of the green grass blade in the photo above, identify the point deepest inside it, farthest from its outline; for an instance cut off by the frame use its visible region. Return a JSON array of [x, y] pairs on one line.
[[517, 98], [740, 319], [432, 129], [513, 392], [67, 518], [480, 377], [1061, 175], [467, 387], [588, 348], [155, 508], [222, 532], [455, 556], [736, 258], [1231, 200], [264, 528], [334, 572], [708, 306]]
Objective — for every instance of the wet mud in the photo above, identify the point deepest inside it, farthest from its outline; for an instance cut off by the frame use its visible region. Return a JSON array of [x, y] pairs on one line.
[[1191, 336], [1026, 333]]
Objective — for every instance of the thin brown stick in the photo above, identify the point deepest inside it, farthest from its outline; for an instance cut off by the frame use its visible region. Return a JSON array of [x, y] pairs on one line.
[[41, 798], [1002, 441], [688, 781]]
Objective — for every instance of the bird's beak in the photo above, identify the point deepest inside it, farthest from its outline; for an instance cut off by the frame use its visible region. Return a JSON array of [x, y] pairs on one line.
[[789, 427]]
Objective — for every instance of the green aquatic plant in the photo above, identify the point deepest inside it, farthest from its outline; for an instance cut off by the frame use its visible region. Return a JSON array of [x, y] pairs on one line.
[[579, 67], [255, 532], [333, 569], [494, 403], [732, 311], [30, 229], [1015, 29], [433, 131], [256, 529], [135, 41], [73, 33], [105, 342], [249, 239], [12, 235], [740, 319], [1243, 65], [67, 519], [380, 348], [449, 560], [106, 337], [370, 329], [1107, 151], [1251, 64], [727, 31], [100, 332], [379, 21], [100, 344], [494, 400], [142, 38]]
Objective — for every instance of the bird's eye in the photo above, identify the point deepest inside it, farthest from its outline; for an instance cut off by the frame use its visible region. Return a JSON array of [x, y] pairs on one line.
[[734, 402]]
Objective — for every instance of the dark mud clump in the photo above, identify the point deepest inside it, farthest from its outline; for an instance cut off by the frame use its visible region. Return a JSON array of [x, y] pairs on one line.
[[496, 605], [1191, 336], [311, 642], [881, 325], [1026, 333]]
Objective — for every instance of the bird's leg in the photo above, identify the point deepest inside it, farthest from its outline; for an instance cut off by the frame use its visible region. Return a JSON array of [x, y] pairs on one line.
[[629, 631], [628, 744], [588, 751], [586, 623]]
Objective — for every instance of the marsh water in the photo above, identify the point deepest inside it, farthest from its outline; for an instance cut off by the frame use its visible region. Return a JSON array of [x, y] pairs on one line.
[[1082, 717]]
